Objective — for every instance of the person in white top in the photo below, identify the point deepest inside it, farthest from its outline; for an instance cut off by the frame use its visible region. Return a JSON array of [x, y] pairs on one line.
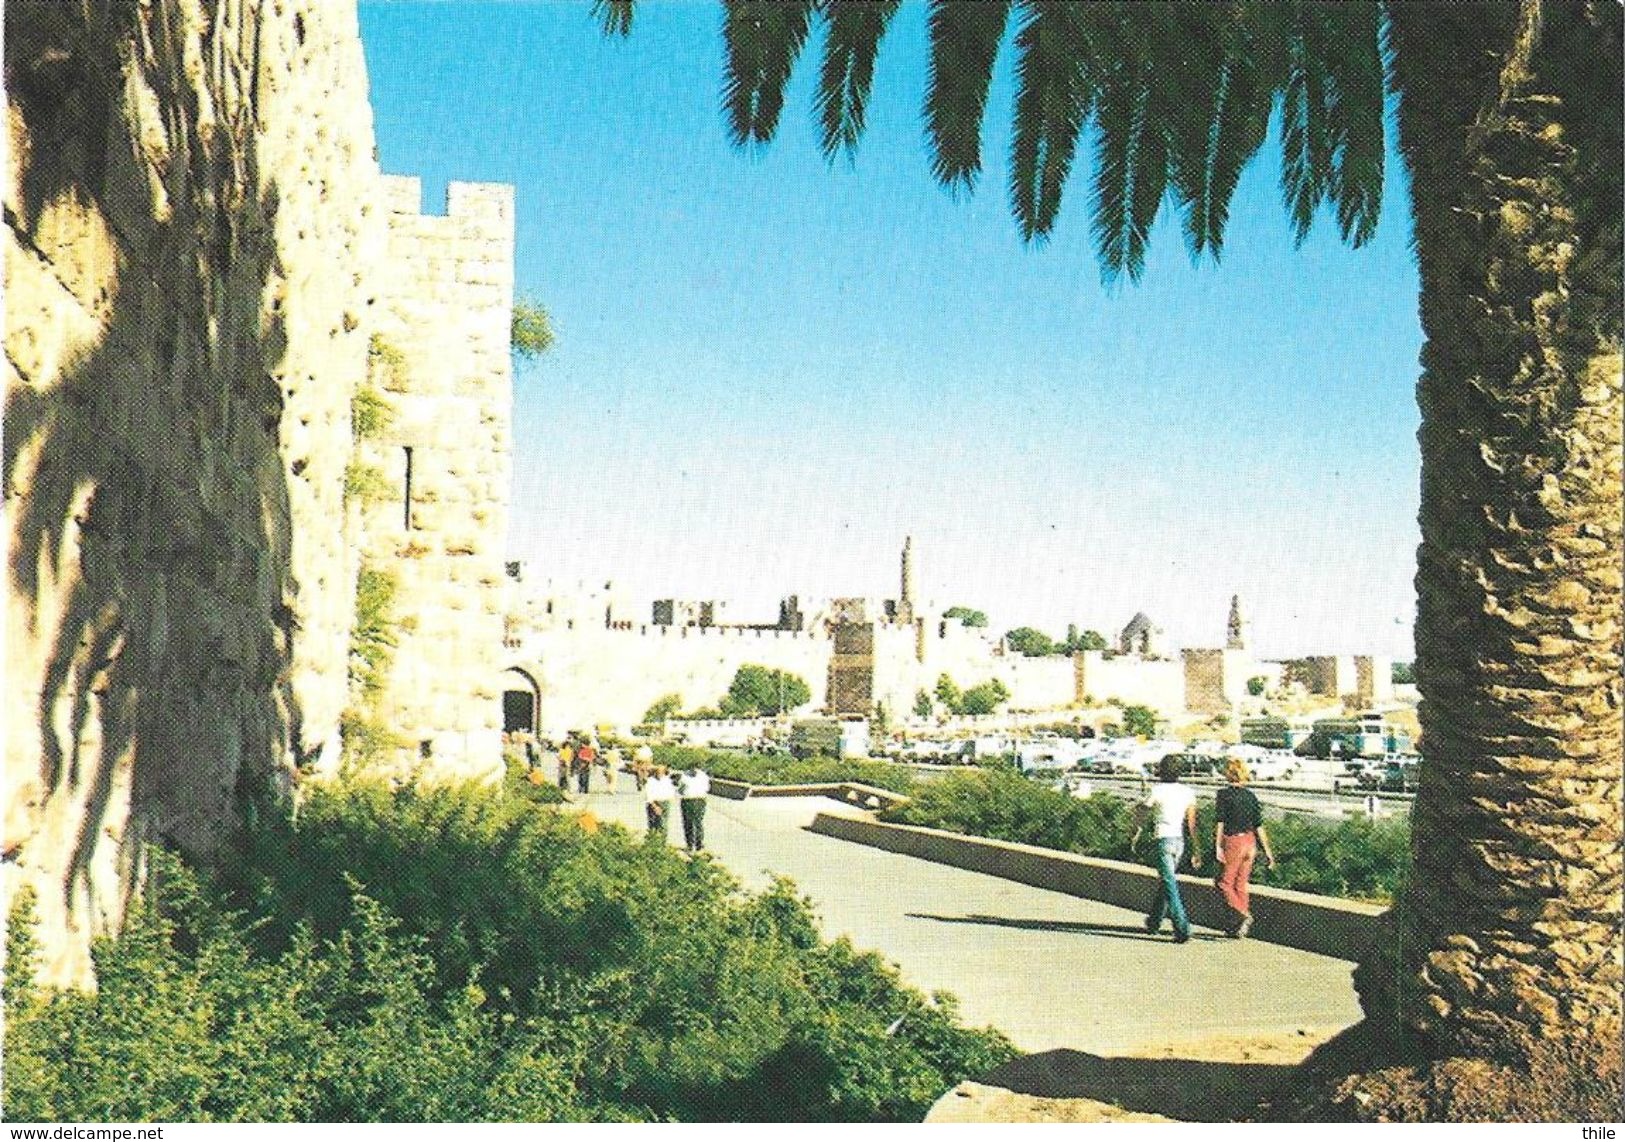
[[692, 788], [643, 764], [658, 793], [1173, 807]]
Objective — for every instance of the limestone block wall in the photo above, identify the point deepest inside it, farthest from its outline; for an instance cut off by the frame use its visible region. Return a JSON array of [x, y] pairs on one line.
[[1157, 683], [1374, 679], [445, 308], [1216, 680], [186, 252], [593, 676], [1329, 675]]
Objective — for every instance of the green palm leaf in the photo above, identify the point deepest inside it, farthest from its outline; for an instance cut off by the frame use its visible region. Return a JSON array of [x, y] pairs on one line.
[[1131, 171], [763, 38], [615, 16], [1053, 100], [1355, 66], [1305, 140], [1223, 120], [965, 36], [854, 31]]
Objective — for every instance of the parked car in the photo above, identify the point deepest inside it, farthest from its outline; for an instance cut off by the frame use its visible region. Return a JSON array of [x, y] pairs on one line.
[[1274, 765]]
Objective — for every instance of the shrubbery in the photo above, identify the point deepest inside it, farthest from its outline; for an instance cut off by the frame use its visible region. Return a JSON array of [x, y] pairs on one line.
[[458, 954], [1352, 858], [781, 770]]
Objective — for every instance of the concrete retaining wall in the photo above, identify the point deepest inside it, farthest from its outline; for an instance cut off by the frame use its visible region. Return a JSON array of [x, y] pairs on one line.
[[1326, 925], [852, 792]]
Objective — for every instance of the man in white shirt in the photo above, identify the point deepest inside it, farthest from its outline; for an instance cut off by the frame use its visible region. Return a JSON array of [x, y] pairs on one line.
[[1173, 807], [658, 793], [692, 788]]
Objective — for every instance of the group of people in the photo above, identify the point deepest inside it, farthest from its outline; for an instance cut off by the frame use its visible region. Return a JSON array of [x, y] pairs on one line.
[[1238, 837], [689, 789], [579, 754]]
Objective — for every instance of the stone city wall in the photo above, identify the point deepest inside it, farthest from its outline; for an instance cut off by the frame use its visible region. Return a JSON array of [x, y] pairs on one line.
[[1157, 683], [599, 676], [187, 199]]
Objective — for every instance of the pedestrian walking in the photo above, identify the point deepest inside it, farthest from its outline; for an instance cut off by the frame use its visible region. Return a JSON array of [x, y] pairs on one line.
[[692, 789], [643, 763], [1238, 834], [586, 758], [658, 794], [567, 761], [612, 768], [1172, 807]]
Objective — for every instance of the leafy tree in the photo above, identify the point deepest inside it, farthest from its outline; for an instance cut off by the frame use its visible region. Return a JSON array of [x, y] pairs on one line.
[[922, 704], [967, 616], [1256, 685], [760, 691], [1510, 125], [664, 707], [948, 693], [1088, 640], [531, 333], [983, 698], [1030, 642], [1403, 674], [1139, 721]]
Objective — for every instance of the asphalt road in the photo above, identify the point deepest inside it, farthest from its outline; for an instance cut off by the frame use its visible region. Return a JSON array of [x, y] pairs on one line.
[[1049, 970]]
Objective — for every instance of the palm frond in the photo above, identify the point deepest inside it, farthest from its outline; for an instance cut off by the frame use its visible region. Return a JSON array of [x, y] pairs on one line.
[[1299, 189], [855, 28], [1053, 100], [763, 39], [1131, 171], [614, 16], [965, 37], [1223, 120], [1351, 43]]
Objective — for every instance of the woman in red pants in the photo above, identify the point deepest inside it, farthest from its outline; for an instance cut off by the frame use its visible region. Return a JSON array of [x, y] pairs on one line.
[[1237, 836]]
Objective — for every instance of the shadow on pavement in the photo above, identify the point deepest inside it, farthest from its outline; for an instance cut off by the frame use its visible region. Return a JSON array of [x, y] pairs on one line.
[[1114, 931], [1189, 1090]]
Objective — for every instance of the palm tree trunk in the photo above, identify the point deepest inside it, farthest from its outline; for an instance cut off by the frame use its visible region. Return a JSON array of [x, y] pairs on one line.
[[1508, 932]]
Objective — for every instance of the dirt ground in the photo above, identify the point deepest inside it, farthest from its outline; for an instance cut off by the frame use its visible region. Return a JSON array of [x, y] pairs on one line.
[[1216, 1079]]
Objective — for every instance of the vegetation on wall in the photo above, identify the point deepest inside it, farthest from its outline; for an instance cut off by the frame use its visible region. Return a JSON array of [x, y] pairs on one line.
[[531, 332], [465, 956], [367, 736], [387, 365]]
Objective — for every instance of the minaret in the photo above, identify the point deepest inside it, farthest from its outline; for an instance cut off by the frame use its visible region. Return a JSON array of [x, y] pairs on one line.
[[1237, 629], [905, 602]]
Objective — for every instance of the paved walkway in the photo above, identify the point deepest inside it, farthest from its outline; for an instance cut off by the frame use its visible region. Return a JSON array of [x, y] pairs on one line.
[[1050, 970]]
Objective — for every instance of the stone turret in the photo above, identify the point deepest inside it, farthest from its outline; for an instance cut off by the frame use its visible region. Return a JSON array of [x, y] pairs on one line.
[[905, 600], [1238, 630]]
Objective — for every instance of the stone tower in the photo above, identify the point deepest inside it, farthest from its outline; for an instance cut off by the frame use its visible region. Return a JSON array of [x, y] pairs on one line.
[[905, 601], [1237, 632]]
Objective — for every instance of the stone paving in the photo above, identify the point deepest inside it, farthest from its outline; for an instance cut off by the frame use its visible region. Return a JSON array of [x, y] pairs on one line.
[[1050, 970]]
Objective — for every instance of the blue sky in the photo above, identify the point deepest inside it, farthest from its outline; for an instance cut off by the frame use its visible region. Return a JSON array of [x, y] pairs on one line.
[[769, 370]]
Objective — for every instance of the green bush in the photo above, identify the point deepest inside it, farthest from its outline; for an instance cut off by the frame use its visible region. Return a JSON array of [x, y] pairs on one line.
[[462, 954], [781, 770], [666, 706], [1352, 858]]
